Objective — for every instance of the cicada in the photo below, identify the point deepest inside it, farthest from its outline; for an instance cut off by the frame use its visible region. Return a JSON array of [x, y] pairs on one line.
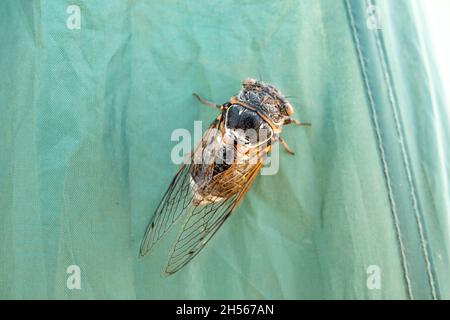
[[220, 170]]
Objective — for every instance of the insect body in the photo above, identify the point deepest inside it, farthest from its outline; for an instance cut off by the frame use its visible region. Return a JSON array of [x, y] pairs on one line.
[[220, 170]]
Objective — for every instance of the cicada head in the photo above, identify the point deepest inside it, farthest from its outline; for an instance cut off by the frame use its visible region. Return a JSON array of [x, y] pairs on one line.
[[267, 100]]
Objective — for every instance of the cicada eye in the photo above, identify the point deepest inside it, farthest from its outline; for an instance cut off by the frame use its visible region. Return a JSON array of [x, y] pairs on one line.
[[289, 109], [249, 82]]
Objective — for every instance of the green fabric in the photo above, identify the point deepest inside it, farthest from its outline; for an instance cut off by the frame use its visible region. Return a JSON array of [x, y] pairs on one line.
[[86, 117]]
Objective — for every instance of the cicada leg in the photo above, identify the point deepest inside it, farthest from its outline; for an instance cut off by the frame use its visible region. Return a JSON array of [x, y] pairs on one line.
[[285, 146], [290, 121], [206, 102]]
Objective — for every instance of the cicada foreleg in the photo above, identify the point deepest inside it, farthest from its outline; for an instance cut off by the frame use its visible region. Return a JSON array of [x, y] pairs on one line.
[[206, 102], [293, 121]]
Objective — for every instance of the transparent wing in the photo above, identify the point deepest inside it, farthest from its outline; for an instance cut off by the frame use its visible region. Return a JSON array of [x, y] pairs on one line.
[[178, 196], [204, 196], [203, 221]]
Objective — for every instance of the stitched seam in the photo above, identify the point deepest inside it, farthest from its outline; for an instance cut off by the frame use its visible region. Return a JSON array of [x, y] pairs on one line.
[[398, 126], [381, 148]]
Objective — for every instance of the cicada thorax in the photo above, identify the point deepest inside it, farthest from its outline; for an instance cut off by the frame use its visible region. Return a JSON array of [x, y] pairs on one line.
[[229, 155]]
